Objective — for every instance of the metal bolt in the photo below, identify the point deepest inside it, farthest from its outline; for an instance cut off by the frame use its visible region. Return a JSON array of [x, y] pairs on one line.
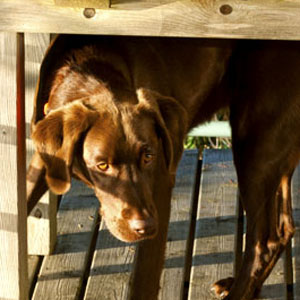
[[38, 213], [89, 12], [226, 9]]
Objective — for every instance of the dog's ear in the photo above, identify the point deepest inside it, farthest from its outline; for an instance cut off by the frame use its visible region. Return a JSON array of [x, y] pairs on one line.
[[171, 117], [55, 138]]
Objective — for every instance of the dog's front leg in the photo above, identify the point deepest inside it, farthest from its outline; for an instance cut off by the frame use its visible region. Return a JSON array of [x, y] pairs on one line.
[[150, 255], [35, 181]]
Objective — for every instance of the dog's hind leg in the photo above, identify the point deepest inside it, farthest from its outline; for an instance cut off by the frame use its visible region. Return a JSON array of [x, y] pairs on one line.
[[35, 181], [268, 233], [265, 158]]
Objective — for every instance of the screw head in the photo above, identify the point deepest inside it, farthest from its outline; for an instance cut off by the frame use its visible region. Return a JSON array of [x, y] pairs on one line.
[[89, 12], [226, 9], [38, 213]]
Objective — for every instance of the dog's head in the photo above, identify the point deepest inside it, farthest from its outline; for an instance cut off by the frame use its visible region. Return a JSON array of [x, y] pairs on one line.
[[119, 149]]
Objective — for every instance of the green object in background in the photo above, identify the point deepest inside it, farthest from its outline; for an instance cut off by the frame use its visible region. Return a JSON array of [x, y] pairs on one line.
[[215, 135], [212, 129]]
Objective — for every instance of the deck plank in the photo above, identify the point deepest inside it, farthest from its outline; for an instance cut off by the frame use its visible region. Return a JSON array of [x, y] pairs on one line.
[[274, 287], [111, 268], [62, 273], [296, 240], [173, 276], [215, 229], [215, 226]]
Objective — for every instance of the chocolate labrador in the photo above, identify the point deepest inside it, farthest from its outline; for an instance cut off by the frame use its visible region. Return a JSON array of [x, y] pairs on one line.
[[114, 111]]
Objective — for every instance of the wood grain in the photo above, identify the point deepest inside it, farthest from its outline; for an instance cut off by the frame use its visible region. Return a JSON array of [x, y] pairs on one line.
[[62, 273], [33, 265], [215, 226], [42, 220], [215, 229], [296, 240], [111, 268], [83, 3], [173, 276], [255, 19], [13, 214]]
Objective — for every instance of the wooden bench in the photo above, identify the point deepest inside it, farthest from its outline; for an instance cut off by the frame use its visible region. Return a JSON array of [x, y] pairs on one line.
[[89, 263]]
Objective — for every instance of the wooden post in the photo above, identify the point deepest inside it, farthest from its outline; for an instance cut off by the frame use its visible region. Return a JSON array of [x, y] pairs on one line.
[[13, 209], [42, 220]]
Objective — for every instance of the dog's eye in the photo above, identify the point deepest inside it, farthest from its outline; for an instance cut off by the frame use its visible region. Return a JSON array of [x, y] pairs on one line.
[[147, 157], [103, 166]]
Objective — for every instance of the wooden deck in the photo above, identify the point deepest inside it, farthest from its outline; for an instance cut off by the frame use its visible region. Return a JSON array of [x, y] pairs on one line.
[[89, 263]]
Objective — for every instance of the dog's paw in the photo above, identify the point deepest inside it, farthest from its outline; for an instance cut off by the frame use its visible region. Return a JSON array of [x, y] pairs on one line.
[[222, 287]]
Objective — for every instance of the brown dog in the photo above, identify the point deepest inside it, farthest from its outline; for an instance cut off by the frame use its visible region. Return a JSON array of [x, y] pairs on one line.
[[119, 109]]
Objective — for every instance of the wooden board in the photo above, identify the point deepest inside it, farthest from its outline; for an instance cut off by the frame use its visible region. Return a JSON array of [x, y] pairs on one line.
[[111, 268], [42, 220], [275, 287], [34, 263], [62, 273], [13, 211], [296, 240], [215, 229], [256, 19], [215, 226], [173, 276]]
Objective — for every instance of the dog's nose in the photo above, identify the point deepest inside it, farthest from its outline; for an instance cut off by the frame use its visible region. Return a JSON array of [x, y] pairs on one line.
[[143, 227]]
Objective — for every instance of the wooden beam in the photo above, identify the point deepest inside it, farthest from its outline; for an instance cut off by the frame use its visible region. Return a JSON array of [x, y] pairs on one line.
[[255, 19], [13, 208], [83, 3]]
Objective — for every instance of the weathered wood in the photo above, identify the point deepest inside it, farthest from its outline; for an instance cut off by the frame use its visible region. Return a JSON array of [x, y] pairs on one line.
[[83, 3], [256, 19], [62, 273], [111, 268], [274, 287], [13, 216], [42, 220], [173, 276], [296, 240], [215, 226], [33, 265], [214, 239]]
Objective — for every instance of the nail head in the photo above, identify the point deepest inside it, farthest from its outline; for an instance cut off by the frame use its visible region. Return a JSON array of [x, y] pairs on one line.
[[226, 9], [89, 12]]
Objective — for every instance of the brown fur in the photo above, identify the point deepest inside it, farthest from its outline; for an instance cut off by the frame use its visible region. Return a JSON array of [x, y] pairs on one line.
[[124, 104]]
